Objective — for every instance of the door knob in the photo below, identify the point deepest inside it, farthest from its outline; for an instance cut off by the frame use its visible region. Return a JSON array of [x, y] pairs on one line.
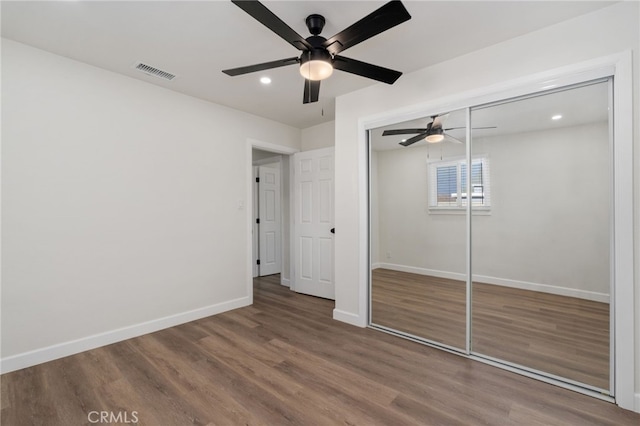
[[333, 230]]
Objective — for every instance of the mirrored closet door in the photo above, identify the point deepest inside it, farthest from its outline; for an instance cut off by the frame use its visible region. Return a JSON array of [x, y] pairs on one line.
[[499, 247], [418, 228], [541, 242]]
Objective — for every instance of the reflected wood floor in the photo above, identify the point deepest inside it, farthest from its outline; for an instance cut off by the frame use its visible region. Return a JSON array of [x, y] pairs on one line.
[[565, 336], [284, 361]]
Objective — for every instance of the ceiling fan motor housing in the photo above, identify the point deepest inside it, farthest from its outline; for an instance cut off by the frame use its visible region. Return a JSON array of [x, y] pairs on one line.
[[315, 54], [318, 52]]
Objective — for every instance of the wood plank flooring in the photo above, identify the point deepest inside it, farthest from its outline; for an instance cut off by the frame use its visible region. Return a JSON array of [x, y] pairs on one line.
[[425, 306], [564, 336], [284, 361]]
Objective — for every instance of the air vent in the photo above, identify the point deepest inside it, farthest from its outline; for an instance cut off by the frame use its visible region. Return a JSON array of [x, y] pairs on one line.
[[148, 69]]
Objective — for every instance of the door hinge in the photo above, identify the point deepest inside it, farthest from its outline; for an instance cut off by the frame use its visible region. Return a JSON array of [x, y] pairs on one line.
[[257, 180], [258, 261], [258, 221]]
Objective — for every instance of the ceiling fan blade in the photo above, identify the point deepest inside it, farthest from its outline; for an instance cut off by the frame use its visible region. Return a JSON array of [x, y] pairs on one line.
[[260, 67], [263, 15], [311, 91], [384, 18], [402, 132], [449, 138], [364, 69], [413, 140], [473, 128]]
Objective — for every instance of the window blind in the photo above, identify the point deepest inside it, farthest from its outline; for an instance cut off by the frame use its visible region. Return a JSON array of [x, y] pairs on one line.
[[447, 185]]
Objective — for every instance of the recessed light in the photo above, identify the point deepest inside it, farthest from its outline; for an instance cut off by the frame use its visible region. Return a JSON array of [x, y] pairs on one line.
[[265, 80], [556, 117]]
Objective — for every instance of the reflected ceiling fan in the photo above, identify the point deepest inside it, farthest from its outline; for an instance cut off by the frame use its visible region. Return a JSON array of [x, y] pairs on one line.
[[433, 133], [320, 55]]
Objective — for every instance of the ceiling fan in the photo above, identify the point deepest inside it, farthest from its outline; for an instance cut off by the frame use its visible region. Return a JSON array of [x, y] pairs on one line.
[[433, 133], [320, 55]]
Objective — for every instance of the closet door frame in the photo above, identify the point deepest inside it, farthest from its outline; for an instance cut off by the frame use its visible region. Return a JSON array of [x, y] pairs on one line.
[[619, 68]]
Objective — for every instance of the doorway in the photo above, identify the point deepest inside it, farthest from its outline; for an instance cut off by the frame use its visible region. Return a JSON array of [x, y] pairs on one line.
[[306, 188], [267, 208], [270, 215]]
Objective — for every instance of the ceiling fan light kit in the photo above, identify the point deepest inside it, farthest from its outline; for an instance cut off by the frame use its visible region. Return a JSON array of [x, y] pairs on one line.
[[320, 55], [435, 137], [316, 65]]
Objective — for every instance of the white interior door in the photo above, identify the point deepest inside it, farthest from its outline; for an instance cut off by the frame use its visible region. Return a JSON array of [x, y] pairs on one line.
[[313, 223], [269, 221]]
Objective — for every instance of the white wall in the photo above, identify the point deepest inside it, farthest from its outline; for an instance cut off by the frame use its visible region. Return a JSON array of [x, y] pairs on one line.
[[532, 235], [610, 30], [118, 215], [550, 218], [319, 136], [409, 235]]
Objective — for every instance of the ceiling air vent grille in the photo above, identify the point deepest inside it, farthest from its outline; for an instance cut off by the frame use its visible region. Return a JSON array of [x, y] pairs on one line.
[[148, 69]]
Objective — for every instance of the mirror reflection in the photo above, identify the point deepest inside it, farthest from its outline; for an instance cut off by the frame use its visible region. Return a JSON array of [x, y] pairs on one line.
[[418, 251], [541, 259], [539, 184]]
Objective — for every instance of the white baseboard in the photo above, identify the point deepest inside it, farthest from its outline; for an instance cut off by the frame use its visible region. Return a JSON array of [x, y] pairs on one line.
[[61, 350], [285, 282], [423, 271], [523, 285], [349, 318], [375, 265], [636, 404]]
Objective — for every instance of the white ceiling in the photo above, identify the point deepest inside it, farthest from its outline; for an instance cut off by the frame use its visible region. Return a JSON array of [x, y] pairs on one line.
[[195, 40]]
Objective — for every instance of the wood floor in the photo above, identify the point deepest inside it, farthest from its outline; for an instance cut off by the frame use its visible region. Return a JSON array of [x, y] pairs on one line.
[[284, 361], [564, 336]]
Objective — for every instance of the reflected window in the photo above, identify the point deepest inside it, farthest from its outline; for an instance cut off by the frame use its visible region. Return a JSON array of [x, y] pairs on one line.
[[447, 185]]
